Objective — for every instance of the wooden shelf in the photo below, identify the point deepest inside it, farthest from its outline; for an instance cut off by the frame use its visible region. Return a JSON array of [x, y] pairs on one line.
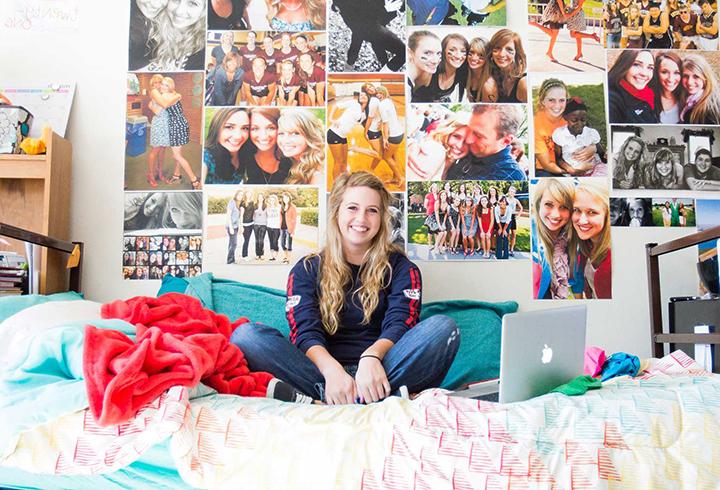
[[35, 195]]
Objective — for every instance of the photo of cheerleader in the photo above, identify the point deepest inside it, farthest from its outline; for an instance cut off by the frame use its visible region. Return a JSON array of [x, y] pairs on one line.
[[291, 71], [551, 50], [259, 225], [468, 220], [366, 37], [458, 12], [366, 127], [163, 132]]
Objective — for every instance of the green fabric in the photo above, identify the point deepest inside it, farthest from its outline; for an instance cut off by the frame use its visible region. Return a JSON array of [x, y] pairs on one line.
[[479, 322], [480, 328], [578, 386], [9, 305]]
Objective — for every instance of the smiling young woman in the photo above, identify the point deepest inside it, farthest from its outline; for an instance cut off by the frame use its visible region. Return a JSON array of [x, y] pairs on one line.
[[353, 311]]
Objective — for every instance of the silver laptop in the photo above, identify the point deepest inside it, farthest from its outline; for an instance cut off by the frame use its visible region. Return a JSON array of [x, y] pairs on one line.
[[540, 350]]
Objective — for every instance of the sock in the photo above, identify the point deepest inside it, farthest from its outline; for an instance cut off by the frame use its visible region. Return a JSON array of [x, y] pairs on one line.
[[280, 390]]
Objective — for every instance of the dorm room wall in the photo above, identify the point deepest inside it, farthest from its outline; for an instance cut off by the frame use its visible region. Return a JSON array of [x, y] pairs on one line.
[[95, 56]]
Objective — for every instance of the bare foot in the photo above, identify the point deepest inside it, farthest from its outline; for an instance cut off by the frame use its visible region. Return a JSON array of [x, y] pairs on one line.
[[551, 56]]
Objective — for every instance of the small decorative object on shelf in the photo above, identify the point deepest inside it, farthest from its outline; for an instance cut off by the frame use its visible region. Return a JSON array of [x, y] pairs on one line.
[[14, 127]]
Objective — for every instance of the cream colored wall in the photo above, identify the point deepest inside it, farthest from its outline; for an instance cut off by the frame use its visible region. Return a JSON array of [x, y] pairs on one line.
[[95, 57]]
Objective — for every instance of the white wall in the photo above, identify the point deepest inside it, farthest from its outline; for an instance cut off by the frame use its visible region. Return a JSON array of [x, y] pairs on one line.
[[95, 56]]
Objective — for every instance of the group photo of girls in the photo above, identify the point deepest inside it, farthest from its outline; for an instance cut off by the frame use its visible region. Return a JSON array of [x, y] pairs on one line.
[[468, 220], [569, 125], [665, 157], [166, 35], [151, 257], [439, 138], [259, 225], [663, 87], [277, 15], [678, 24], [265, 68], [366, 127], [367, 36], [466, 65], [457, 12], [571, 242], [163, 131], [566, 36], [264, 145]]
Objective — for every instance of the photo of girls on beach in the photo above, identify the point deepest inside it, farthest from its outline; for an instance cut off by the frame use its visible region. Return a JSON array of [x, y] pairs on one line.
[[366, 127], [379, 23], [663, 87], [458, 12], [152, 257], [167, 35], [570, 135], [163, 131], [565, 36], [666, 157], [466, 65], [265, 15], [480, 142], [571, 245], [259, 225], [468, 220], [265, 68], [677, 24], [264, 145]]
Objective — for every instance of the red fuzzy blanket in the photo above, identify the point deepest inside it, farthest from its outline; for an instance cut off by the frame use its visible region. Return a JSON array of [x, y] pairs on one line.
[[178, 342]]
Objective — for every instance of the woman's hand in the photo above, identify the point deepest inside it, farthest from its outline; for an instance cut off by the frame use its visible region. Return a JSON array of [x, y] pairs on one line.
[[371, 380], [340, 388], [426, 160]]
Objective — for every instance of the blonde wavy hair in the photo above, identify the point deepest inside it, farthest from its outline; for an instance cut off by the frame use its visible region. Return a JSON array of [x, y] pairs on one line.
[[375, 270], [173, 45], [315, 10], [562, 191], [313, 158], [707, 108], [597, 253]]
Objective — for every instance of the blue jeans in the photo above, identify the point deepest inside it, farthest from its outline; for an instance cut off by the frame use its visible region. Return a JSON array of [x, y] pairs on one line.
[[232, 244], [419, 360]]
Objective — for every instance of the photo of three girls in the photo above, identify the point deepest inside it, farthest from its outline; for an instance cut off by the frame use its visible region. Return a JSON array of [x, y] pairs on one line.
[[264, 145], [366, 127], [162, 137], [265, 68], [570, 131], [468, 220], [259, 225], [571, 245], [663, 87], [466, 65]]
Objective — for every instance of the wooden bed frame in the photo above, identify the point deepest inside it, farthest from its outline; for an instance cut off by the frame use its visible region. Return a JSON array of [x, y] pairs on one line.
[[658, 338], [73, 249]]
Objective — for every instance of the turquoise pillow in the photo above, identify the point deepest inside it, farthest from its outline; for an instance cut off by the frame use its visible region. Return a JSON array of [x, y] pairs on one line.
[[480, 327], [172, 284], [9, 305]]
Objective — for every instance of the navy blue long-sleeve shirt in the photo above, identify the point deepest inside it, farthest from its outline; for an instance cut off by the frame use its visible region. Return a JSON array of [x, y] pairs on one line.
[[398, 309]]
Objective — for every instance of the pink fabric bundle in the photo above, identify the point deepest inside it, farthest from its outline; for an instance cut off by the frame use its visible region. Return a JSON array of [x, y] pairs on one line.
[[594, 360]]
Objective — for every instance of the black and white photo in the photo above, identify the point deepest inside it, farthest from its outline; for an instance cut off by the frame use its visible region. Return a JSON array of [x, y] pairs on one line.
[[145, 211]]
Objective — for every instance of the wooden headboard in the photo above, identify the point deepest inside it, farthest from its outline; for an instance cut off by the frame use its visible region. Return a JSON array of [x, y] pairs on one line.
[[73, 249]]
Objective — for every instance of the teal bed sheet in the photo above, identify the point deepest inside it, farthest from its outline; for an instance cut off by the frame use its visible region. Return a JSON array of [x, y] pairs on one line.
[[155, 470]]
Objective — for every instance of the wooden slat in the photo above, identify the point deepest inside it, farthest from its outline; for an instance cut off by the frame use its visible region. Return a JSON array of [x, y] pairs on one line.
[[23, 169], [36, 238], [685, 242], [688, 338]]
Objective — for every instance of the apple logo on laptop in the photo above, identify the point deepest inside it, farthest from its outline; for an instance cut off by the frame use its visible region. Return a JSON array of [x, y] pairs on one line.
[[547, 354]]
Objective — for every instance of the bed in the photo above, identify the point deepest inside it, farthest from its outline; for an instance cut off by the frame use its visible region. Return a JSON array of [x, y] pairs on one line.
[[657, 430]]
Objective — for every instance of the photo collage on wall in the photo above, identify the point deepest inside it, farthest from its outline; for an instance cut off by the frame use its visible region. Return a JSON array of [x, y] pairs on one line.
[[501, 128]]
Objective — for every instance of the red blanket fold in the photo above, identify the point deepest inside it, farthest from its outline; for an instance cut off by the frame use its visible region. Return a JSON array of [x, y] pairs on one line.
[[178, 342]]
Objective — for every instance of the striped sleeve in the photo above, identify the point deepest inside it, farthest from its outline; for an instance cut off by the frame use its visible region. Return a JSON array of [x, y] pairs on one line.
[[302, 309], [404, 300]]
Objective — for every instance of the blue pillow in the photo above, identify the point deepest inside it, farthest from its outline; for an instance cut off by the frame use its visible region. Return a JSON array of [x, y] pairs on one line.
[[172, 284], [480, 325], [9, 305]]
